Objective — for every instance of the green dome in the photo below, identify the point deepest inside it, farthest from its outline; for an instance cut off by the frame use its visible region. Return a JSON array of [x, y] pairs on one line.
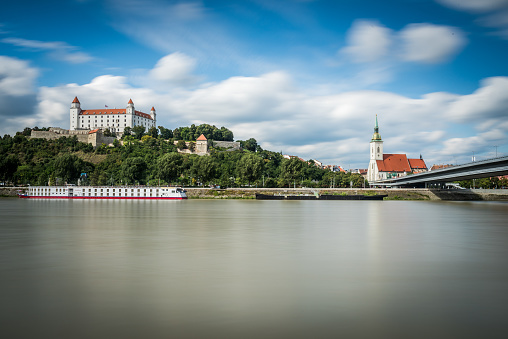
[[376, 137]]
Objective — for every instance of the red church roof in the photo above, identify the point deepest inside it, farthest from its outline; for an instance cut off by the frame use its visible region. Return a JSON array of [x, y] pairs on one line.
[[393, 163], [417, 164], [201, 137], [399, 163]]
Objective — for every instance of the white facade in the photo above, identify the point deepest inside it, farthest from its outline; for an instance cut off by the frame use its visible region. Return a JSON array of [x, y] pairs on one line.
[[114, 119]]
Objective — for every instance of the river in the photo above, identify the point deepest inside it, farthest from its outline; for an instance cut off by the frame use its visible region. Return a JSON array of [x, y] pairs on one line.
[[246, 268]]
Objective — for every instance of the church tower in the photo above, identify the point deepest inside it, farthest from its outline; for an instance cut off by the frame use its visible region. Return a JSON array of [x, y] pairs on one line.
[[75, 111], [376, 153]]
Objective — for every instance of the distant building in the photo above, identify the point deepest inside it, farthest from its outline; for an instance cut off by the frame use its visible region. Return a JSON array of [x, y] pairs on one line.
[[108, 118], [385, 166]]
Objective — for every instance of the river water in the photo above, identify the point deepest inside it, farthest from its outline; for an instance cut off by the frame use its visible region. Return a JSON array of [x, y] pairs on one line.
[[245, 268]]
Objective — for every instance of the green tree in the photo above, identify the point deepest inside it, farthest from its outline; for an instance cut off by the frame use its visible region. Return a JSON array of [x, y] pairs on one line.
[[138, 131], [133, 170], [204, 168], [68, 167], [291, 170], [250, 167], [169, 166], [153, 132], [181, 144], [250, 144], [8, 167], [227, 135], [176, 134], [126, 131], [165, 133]]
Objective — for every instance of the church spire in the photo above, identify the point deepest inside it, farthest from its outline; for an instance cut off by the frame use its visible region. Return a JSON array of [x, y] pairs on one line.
[[376, 136]]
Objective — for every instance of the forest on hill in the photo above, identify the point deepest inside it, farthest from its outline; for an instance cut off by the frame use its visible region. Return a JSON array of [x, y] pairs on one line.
[[149, 159]]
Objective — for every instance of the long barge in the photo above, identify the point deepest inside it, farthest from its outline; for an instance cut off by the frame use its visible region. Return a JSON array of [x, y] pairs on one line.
[[104, 192], [319, 197]]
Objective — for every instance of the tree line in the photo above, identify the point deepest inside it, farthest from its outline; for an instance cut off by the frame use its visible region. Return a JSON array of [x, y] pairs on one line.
[[191, 133], [154, 160]]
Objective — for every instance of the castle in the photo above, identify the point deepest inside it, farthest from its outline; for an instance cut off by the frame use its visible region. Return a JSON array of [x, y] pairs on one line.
[[116, 120], [385, 166]]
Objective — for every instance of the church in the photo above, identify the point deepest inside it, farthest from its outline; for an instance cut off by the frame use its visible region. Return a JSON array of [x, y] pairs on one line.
[[385, 166], [114, 119]]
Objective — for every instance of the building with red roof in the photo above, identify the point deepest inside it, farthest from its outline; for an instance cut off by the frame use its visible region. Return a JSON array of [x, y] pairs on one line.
[[116, 120], [384, 166]]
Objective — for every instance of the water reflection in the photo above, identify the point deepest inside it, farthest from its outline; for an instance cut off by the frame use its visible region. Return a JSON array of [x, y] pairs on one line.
[[253, 268]]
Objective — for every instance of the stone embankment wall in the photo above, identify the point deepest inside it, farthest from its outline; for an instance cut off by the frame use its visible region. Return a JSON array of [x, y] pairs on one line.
[[395, 194], [10, 191]]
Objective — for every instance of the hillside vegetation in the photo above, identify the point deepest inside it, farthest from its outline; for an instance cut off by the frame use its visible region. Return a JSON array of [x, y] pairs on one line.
[[153, 160]]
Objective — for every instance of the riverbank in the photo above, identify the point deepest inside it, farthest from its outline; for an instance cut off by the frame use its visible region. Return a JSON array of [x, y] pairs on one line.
[[392, 194]]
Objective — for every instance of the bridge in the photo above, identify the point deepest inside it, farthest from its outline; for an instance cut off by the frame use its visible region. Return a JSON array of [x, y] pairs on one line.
[[472, 170]]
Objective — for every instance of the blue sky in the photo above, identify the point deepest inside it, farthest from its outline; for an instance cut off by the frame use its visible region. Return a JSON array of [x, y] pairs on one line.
[[302, 77]]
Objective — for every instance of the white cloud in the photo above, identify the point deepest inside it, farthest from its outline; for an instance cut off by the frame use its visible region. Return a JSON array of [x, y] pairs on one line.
[[428, 43], [335, 129], [174, 69], [489, 102], [478, 144], [475, 5], [57, 49], [17, 94], [372, 43], [16, 77], [494, 13], [367, 41]]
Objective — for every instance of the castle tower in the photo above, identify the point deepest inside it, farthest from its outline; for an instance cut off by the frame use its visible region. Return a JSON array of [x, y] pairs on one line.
[[376, 153], [152, 113], [201, 145], [75, 111], [130, 113]]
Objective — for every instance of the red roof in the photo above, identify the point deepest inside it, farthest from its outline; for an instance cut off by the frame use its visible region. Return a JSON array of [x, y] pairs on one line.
[[201, 137], [103, 111], [144, 115], [393, 163], [153, 109], [417, 164], [95, 130], [75, 100], [130, 102]]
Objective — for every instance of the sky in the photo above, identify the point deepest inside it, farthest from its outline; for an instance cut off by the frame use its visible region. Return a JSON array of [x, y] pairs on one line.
[[302, 77]]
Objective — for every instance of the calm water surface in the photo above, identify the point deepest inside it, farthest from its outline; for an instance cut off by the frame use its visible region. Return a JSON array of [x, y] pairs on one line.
[[240, 268]]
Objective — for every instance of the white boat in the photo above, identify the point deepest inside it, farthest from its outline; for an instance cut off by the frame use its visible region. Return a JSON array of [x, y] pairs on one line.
[[104, 192]]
